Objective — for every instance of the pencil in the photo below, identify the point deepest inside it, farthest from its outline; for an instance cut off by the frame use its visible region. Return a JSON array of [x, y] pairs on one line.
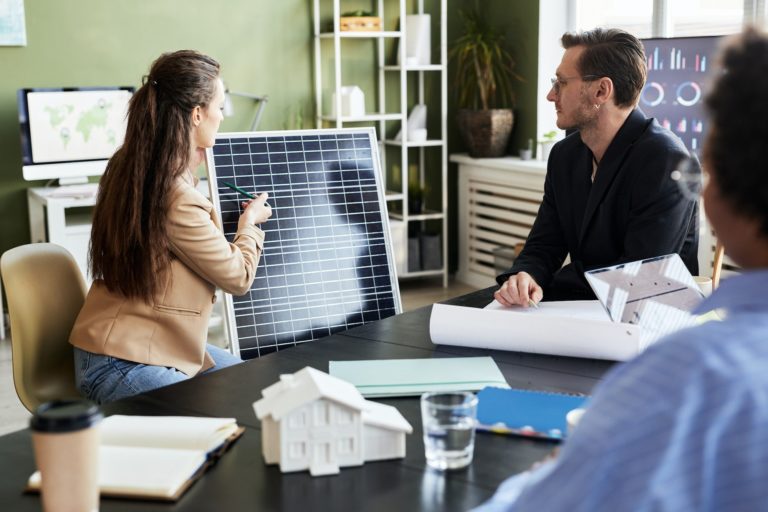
[[533, 304], [238, 189]]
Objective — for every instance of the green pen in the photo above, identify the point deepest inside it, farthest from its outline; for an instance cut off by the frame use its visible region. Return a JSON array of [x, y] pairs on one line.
[[238, 189]]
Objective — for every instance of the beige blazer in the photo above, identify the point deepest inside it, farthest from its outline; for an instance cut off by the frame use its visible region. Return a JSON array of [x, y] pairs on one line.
[[172, 330]]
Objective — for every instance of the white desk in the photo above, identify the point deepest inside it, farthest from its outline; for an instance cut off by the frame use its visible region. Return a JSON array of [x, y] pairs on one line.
[[65, 221]]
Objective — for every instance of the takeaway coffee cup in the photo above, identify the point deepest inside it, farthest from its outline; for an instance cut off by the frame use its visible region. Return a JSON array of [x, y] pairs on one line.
[[65, 437]]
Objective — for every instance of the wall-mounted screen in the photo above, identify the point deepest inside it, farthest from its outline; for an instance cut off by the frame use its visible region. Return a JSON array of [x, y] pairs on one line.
[[678, 75], [70, 132]]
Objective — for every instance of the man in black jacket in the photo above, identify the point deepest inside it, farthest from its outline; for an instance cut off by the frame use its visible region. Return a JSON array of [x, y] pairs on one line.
[[608, 194]]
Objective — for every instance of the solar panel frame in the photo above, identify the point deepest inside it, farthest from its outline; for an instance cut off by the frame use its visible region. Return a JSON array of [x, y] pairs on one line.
[[275, 156]]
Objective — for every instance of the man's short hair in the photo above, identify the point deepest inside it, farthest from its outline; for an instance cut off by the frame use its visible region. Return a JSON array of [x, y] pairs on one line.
[[615, 54], [738, 107]]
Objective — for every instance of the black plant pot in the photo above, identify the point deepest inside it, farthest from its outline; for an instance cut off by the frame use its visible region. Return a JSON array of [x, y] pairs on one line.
[[485, 132]]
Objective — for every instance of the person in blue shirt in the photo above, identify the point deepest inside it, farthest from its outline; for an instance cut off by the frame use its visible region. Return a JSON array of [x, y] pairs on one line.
[[684, 426]]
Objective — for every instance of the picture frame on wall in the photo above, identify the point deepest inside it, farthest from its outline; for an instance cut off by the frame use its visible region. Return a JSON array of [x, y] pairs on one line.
[[13, 30]]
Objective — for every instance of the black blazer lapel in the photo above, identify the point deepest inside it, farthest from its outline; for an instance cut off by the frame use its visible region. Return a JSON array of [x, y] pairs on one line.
[[611, 163]]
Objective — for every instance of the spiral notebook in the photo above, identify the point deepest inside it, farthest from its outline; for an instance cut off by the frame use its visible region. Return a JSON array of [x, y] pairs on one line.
[[525, 412]]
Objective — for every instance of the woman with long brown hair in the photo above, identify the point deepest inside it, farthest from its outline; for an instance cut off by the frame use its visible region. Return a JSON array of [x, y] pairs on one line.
[[157, 253]]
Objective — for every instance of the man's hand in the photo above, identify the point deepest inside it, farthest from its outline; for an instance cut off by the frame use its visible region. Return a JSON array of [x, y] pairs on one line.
[[519, 289]]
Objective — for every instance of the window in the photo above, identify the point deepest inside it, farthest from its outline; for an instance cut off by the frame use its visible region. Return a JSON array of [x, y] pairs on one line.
[[706, 17], [669, 18], [297, 419], [297, 450], [343, 416], [322, 412], [635, 17], [346, 446]]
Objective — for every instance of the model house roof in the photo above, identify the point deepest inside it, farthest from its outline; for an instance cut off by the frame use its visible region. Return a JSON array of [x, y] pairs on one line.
[[302, 387], [386, 416], [307, 385]]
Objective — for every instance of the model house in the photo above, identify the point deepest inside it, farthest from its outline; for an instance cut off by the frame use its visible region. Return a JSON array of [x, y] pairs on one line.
[[310, 420]]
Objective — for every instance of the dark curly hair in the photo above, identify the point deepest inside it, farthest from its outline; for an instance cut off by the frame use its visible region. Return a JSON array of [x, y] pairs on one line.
[[616, 54], [738, 109]]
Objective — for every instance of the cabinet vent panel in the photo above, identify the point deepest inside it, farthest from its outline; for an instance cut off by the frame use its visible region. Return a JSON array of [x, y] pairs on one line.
[[499, 215]]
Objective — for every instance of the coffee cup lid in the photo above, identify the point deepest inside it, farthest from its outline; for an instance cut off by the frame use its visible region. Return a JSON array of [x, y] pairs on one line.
[[65, 416]]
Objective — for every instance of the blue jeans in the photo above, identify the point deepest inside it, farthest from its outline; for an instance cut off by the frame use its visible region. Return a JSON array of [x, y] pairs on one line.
[[105, 379]]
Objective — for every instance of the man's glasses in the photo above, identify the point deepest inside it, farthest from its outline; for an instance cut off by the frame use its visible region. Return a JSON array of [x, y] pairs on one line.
[[690, 178], [561, 81]]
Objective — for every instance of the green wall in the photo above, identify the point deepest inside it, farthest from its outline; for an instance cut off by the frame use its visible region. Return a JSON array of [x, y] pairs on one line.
[[265, 47], [519, 20]]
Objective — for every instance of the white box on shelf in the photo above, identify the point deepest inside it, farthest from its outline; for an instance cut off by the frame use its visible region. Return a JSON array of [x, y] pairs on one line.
[[397, 233], [416, 125], [418, 39], [352, 101]]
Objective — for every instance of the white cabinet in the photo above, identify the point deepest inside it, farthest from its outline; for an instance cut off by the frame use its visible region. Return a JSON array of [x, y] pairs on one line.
[[410, 163], [498, 202], [61, 220]]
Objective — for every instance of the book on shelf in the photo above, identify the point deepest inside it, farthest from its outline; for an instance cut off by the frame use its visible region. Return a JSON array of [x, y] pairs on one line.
[[157, 457], [525, 412]]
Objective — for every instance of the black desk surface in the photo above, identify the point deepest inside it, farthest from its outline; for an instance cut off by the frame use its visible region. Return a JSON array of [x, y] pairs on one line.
[[241, 480]]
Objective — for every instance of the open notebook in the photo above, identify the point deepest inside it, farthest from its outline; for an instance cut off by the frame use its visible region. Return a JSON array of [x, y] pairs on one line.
[[157, 457]]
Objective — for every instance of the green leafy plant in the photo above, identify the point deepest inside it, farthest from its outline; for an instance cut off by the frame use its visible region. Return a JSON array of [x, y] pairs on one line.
[[549, 136], [484, 66]]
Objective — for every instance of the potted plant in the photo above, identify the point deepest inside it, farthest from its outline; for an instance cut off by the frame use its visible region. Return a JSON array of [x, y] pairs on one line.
[[484, 72], [547, 141]]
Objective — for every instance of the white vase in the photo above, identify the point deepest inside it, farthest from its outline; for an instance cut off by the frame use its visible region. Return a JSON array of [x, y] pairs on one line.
[[546, 147]]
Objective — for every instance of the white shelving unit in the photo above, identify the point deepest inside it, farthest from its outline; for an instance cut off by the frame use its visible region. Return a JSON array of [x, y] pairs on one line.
[[429, 167]]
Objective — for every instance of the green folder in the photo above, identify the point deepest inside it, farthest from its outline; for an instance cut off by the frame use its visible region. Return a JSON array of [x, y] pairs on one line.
[[409, 377]]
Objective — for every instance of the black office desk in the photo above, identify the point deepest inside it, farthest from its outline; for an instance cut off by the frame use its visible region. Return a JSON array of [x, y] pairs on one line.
[[241, 481]]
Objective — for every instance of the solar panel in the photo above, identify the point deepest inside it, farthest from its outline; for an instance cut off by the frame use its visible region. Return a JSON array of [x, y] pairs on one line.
[[327, 263]]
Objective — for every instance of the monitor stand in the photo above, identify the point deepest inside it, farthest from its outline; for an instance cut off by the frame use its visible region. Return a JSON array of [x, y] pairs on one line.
[[73, 180]]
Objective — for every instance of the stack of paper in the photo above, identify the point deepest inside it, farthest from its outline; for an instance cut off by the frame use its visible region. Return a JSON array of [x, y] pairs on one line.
[[410, 377]]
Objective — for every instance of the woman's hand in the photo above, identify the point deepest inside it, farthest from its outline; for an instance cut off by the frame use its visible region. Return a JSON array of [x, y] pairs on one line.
[[255, 211]]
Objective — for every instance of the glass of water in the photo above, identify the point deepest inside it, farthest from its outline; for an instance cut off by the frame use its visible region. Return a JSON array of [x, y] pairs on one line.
[[449, 428]]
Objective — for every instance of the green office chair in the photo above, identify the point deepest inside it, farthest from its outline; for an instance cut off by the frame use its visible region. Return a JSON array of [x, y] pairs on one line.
[[45, 291]]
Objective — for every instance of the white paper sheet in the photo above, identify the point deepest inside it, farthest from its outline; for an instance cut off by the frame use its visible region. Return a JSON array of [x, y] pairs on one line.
[[575, 329], [585, 309]]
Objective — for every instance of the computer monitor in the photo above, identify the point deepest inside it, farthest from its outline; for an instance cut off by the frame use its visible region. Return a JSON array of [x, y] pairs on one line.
[[70, 133], [678, 76]]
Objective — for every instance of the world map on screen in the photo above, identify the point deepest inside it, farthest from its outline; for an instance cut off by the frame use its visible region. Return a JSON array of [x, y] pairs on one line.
[[76, 125]]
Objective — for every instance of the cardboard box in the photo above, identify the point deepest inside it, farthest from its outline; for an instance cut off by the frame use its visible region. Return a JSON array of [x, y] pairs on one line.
[[360, 24]]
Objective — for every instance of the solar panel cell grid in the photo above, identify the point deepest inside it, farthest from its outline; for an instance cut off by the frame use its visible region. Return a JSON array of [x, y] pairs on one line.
[[326, 266]]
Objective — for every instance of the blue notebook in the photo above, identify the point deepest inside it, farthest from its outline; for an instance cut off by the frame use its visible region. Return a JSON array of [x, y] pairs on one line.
[[525, 412]]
